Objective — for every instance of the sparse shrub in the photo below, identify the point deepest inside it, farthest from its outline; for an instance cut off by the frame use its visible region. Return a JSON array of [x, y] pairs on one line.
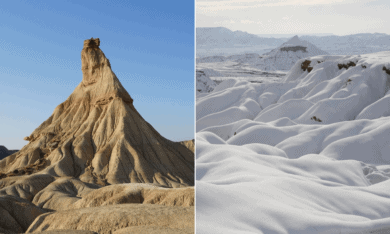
[[305, 65], [386, 70], [346, 66], [316, 119], [235, 133], [309, 69], [364, 66]]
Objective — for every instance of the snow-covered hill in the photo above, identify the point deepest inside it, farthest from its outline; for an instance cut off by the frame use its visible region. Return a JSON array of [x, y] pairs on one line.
[[309, 154], [286, 55]]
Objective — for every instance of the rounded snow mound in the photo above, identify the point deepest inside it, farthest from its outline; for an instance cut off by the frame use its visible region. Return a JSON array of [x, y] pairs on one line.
[[312, 149]]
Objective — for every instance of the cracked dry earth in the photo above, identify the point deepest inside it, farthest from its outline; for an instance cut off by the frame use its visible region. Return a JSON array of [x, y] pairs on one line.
[[96, 166]]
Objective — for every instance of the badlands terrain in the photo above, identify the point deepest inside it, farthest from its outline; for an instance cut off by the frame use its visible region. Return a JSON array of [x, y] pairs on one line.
[[96, 166], [308, 152]]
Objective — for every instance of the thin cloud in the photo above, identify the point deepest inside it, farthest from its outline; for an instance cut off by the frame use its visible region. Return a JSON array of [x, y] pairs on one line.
[[247, 21], [213, 5]]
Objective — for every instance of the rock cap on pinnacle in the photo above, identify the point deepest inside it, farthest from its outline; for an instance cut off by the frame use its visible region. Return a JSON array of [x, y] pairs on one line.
[[92, 43]]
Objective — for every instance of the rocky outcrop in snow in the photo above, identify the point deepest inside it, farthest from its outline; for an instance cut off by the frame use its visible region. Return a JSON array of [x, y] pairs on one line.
[[203, 82]]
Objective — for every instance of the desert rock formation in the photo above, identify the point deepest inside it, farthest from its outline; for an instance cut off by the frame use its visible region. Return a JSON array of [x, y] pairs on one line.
[[190, 144], [98, 136], [92, 157], [110, 219]]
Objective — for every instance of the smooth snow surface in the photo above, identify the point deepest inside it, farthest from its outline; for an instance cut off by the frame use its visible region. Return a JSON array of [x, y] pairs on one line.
[[309, 154]]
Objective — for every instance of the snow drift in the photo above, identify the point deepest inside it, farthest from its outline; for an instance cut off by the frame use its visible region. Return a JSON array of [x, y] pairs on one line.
[[310, 154]]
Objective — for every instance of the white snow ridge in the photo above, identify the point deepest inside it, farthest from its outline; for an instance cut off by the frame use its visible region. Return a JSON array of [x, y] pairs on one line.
[[309, 154], [286, 55]]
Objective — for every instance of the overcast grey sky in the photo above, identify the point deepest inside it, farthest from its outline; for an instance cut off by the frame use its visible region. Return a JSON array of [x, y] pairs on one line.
[[340, 17]]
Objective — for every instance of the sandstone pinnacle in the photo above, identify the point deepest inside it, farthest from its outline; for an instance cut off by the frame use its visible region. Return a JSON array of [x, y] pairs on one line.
[[98, 136]]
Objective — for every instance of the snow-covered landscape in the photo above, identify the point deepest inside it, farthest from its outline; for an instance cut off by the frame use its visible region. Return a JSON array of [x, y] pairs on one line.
[[223, 54], [269, 67], [302, 150], [221, 41]]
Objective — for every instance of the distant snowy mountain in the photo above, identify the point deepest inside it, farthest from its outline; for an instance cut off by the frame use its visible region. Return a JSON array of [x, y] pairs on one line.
[[286, 55], [222, 36], [203, 83], [222, 41], [291, 35], [352, 44]]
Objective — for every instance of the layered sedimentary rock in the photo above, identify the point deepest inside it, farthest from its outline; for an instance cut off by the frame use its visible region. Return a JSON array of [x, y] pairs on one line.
[[16, 214], [189, 144], [75, 194], [98, 136], [108, 219]]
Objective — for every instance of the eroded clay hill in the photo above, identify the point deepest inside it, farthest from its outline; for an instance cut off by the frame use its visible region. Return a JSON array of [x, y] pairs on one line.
[[98, 136], [96, 166]]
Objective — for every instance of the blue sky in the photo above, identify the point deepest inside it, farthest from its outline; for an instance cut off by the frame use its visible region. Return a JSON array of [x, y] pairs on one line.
[[150, 46]]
